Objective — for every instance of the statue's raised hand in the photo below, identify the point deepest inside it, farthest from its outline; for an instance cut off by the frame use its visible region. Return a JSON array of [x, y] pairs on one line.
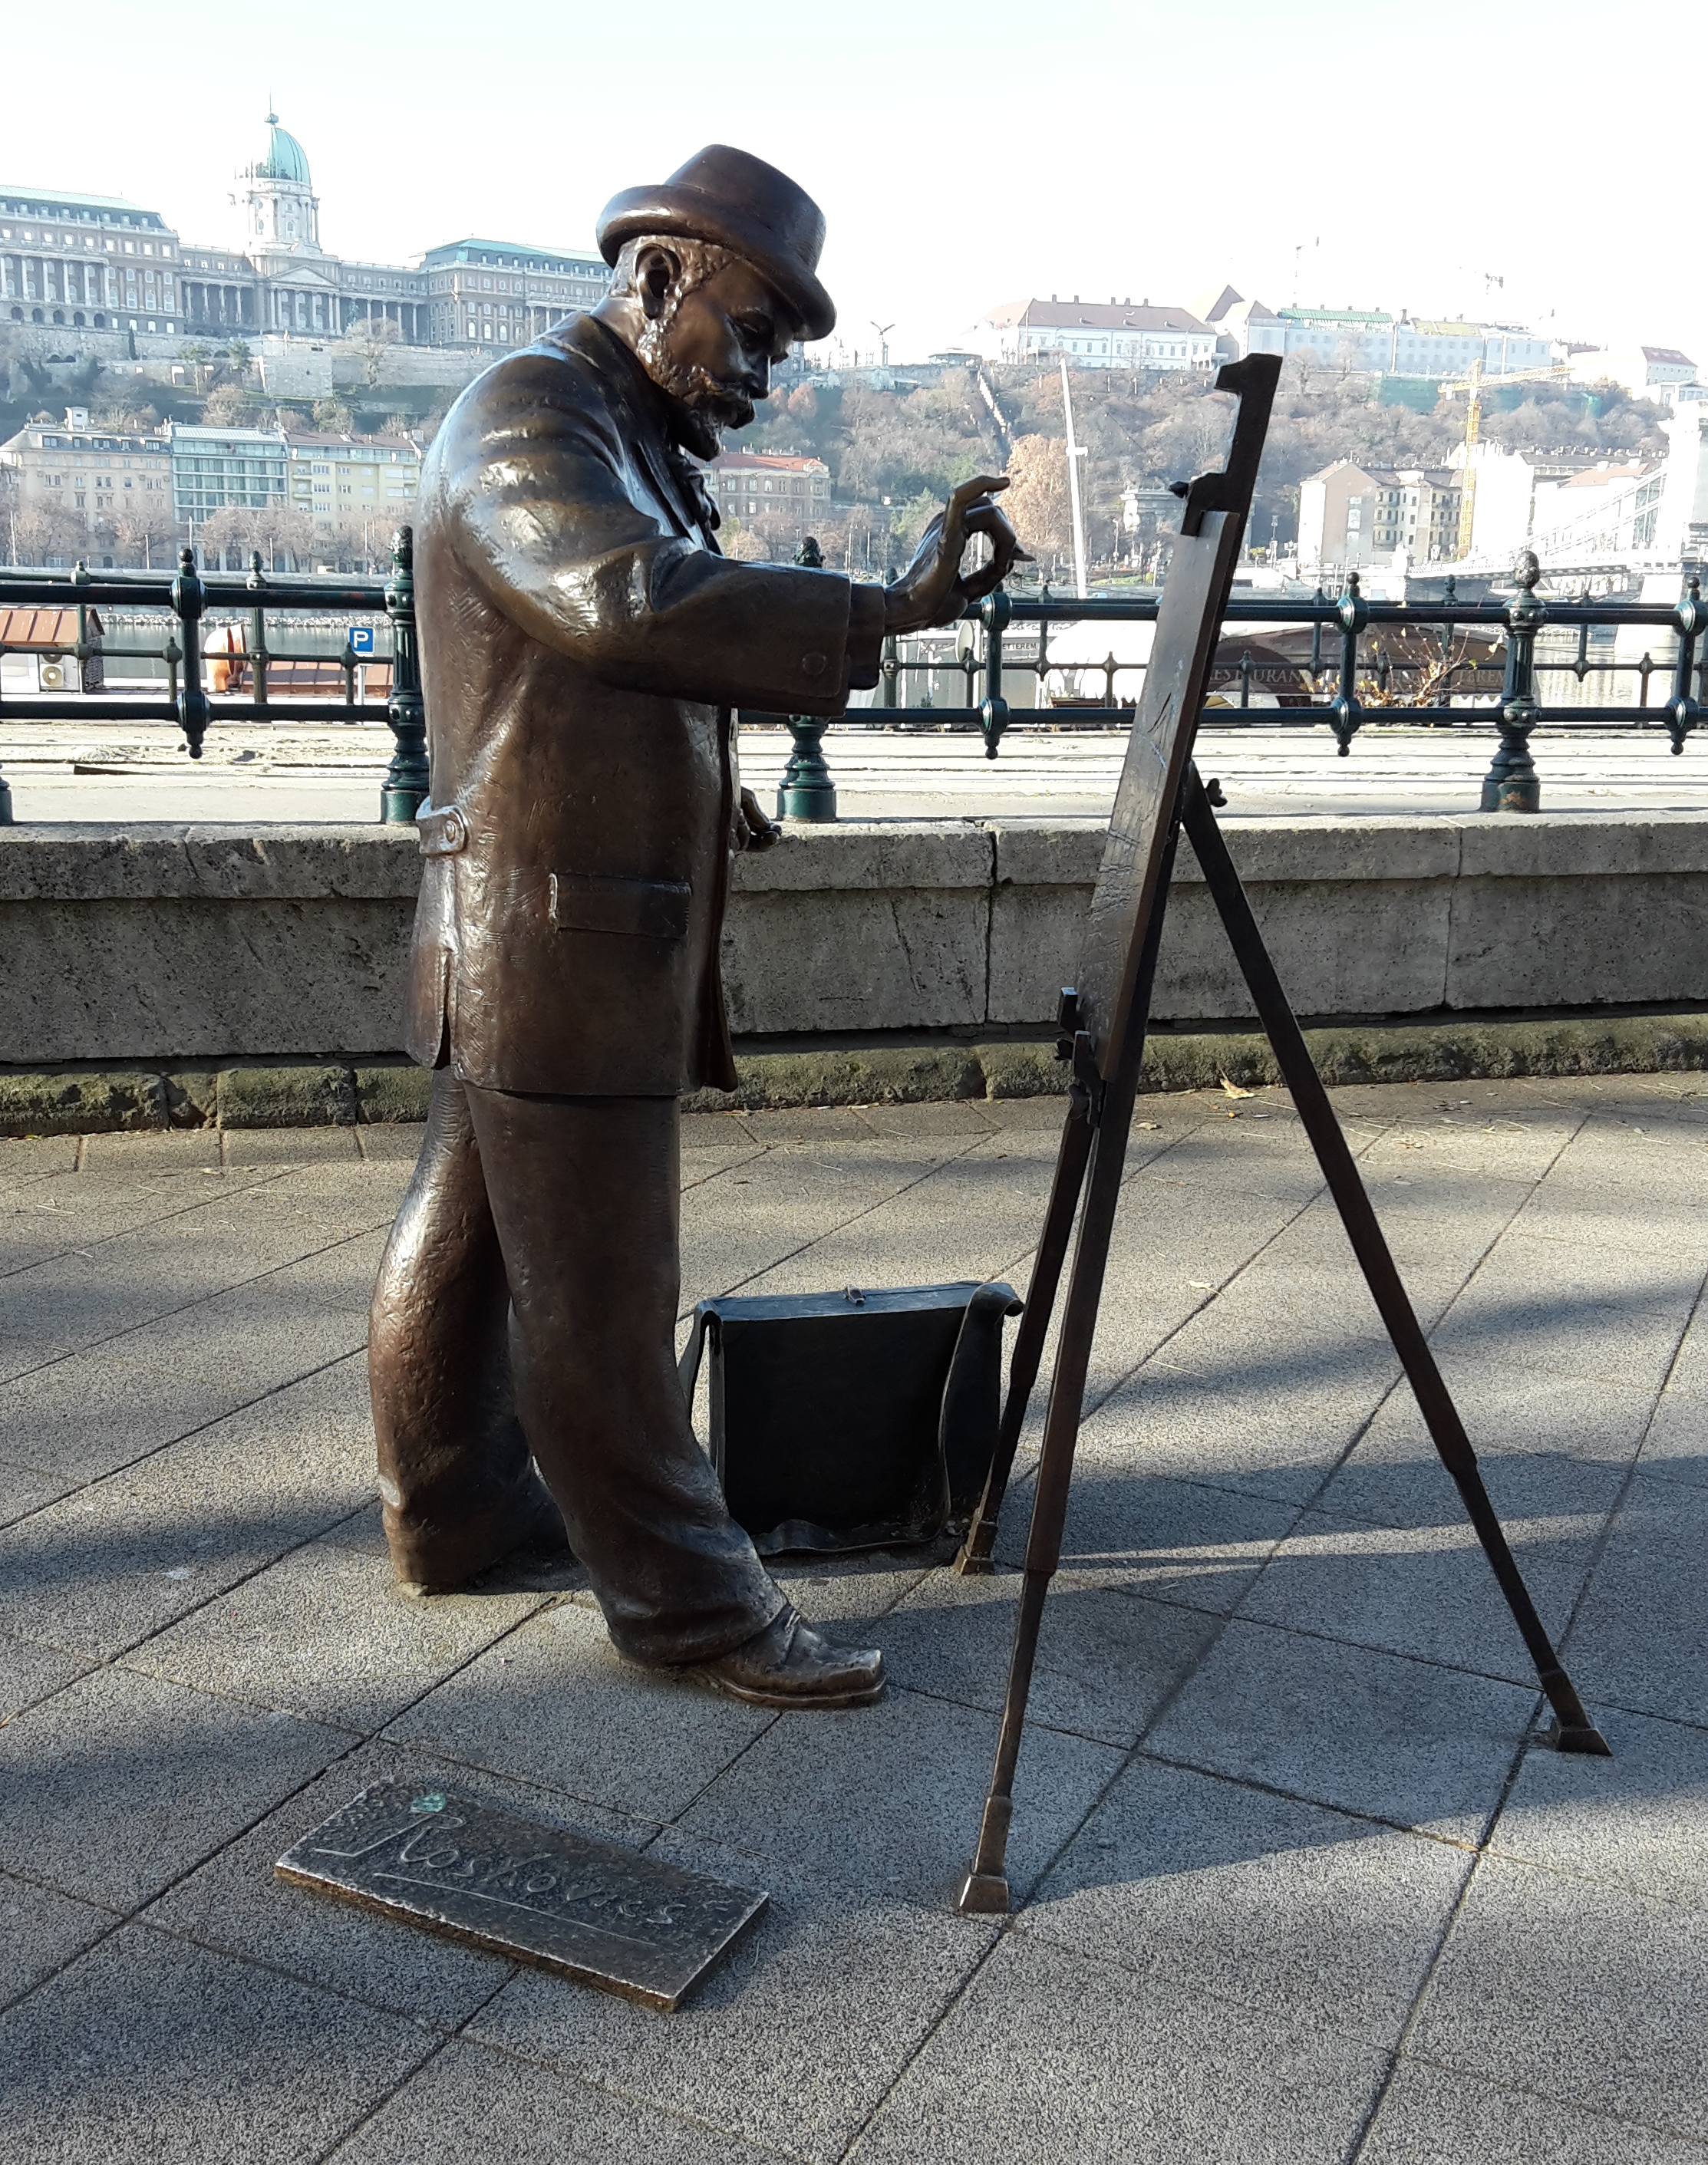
[[933, 590]]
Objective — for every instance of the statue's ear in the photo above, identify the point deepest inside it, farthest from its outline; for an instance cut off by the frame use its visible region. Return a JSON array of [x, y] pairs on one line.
[[655, 272]]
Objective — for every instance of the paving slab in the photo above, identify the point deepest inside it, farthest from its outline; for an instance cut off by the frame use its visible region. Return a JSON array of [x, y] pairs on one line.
[[887, 1798], [1614, 1313], [1637, 1639], [557, 1705], [1050, 2055], [1106, 1660], [794, 2038], [1131, 1528], [398, 1145], [40, 1931], [116, 1561], [171, 1150], [148, 2047], [1434, 2116], [115, 1786], [1583, 1992], [113, 1404], [28, 1157], [1403, 1741], [1254, 1897], [24, 1489], [1638, 1820], [1418, 1581], [483, 2108], [326, 1632], [1505, 1408], [29, 1673]]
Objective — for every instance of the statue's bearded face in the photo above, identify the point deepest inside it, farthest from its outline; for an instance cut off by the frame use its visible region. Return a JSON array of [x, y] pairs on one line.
[[712, 330]]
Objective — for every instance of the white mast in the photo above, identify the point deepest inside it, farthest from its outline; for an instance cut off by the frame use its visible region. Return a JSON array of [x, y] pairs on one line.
[[1075, 453]]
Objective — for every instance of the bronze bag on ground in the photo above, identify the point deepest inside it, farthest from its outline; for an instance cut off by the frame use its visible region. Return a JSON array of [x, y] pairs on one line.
[[862, 1419]]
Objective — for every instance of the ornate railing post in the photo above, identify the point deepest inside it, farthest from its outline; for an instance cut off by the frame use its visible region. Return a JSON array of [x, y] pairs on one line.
[[1683, 710], [1510, 784], [404, 791], [80, 578], [806, 791], [257, 631], [888, 669], [995, 609], [1345, 714], [188, 598]]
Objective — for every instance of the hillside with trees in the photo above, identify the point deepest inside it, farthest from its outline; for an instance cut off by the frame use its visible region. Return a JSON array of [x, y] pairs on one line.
[[894, 455]]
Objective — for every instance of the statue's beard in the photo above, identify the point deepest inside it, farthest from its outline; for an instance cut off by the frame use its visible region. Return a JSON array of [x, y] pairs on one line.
[[707, 402]]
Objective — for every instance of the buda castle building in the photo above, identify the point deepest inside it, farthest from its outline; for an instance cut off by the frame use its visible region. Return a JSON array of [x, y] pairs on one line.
[[100, 263]]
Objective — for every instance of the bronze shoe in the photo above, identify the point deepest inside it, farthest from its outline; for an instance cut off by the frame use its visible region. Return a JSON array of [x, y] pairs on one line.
[[790, 1664]]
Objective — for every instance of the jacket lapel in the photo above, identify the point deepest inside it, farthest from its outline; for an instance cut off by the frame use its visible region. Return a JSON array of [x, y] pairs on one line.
[[663, 466]]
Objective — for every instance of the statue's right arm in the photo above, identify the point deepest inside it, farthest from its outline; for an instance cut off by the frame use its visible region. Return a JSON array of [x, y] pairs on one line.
[[543, 520]]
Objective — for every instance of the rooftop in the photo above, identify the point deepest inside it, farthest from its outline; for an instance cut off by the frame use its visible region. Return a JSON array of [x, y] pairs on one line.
[[517, 253], [37, 202], [783, 461], [1095, 315]]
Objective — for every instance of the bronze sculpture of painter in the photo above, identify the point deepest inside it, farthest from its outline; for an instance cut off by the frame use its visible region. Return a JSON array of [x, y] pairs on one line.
[[584, 643]]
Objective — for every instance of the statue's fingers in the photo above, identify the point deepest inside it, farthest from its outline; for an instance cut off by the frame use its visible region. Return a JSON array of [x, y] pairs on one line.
[[967, 491]]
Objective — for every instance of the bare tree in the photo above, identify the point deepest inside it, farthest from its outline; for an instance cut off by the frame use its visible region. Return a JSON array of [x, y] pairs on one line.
[[373, 338]]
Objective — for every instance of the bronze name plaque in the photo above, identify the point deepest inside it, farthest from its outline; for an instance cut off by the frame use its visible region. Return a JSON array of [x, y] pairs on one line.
[[453, 1865]]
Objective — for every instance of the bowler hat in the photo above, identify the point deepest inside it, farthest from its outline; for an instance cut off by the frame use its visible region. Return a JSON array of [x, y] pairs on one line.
[[740, 202]]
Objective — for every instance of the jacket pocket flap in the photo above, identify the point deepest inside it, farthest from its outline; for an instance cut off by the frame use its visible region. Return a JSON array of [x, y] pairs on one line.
[[647, 909]]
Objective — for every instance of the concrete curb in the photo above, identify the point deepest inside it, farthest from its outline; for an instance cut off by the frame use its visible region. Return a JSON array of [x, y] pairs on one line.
[[335, 1093]]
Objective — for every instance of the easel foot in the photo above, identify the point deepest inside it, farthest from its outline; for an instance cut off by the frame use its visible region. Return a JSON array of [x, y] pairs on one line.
[[985, 1894], [974, 1560], [1580, 1736]]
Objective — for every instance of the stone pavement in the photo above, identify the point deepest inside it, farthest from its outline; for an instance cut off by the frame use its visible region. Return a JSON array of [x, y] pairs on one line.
[[1300, 1883]]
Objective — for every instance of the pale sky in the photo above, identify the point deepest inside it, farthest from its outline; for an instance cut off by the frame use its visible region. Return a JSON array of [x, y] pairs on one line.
[[963, 155]]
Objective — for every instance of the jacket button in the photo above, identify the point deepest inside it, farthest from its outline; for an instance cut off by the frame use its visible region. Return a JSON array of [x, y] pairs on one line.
[[456, 832], [814, 664]]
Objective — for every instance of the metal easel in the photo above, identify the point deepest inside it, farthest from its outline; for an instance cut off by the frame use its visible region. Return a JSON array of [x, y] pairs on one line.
[[1103, 1022]]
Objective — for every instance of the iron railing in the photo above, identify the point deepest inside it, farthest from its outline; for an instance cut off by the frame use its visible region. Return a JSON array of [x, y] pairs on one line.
[[1348, 682], [188, 597], [1347, 664]]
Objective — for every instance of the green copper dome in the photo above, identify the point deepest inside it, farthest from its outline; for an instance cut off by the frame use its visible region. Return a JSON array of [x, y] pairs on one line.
[[285, 160]]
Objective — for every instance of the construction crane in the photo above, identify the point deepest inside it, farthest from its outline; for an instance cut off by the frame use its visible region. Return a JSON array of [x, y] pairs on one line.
[[1472, 386], [1467, 478]]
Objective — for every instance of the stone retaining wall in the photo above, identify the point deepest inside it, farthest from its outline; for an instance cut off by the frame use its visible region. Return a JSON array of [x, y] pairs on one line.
[[183, 943]]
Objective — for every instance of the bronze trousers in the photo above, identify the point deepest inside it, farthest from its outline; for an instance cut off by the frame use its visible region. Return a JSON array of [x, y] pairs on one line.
[[526, 1307]]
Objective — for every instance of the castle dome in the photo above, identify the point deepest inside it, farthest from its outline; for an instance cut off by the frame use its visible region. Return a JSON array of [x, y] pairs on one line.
[[285, 160]]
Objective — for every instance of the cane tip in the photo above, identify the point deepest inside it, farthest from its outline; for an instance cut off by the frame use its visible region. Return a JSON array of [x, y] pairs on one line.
[[1582, 1737]]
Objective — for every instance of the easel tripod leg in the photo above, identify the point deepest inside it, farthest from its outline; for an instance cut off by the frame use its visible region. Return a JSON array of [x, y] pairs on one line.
[[985, 1890], [1574, 1730], [974, 1560]]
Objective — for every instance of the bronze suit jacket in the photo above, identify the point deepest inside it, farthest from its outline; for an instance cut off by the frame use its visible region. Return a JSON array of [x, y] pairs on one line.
[[582, 643]]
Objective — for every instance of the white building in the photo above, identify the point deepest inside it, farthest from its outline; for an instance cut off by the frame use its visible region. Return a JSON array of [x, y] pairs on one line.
[[1121, 334], [1504, 486], [1351, 516], [1609, 509], [1644, 371], [99, 263], [99, 489], [1370, 341]]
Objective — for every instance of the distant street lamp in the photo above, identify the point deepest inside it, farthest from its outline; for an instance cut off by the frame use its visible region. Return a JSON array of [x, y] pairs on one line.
[[883, 331]]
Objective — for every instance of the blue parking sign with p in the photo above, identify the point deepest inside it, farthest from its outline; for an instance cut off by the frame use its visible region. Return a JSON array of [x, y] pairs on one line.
[[361, 639]]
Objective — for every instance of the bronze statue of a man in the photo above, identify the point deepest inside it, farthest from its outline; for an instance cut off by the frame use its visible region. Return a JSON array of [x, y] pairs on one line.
[[584, 643]]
